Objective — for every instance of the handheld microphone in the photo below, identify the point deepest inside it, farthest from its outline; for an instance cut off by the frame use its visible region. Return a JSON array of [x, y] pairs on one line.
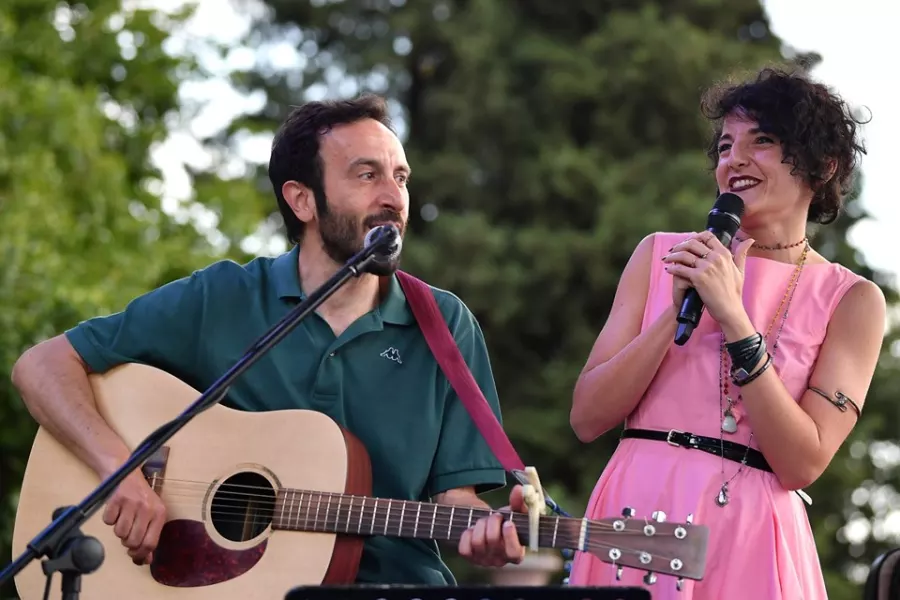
[[385, 242], [723, 221]]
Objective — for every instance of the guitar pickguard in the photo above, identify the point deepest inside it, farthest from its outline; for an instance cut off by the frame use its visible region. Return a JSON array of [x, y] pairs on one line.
[[188, 557]]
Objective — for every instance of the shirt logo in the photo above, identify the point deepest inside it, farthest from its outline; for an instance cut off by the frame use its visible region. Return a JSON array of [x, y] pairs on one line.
[[392, 354]]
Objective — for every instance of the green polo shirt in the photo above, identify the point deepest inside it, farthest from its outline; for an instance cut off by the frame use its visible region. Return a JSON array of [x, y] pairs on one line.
[[378, 379]]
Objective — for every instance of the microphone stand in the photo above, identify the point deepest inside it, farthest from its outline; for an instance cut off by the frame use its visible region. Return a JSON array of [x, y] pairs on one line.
[[74, 554]]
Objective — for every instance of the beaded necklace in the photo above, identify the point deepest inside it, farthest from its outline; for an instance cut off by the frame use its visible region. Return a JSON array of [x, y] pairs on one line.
[[729, 417], [759, 246]]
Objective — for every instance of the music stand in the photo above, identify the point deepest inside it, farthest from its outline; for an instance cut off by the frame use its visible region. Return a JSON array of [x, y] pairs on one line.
[[412, 592]]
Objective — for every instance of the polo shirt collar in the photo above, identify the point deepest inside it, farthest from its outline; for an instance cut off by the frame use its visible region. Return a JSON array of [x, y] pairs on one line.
[[394, 308], [286, 274]]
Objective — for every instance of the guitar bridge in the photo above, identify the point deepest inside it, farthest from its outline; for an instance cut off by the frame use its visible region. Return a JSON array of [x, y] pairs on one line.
[[154, 470]]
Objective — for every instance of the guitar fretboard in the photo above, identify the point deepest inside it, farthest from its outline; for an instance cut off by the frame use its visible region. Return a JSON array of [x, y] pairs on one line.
[[299, 510]]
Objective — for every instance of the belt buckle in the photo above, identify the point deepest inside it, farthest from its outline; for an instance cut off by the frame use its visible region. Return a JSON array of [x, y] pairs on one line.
[[671, 433]]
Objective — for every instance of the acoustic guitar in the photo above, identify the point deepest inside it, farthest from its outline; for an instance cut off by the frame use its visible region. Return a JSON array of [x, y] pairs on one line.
[[260, 503]]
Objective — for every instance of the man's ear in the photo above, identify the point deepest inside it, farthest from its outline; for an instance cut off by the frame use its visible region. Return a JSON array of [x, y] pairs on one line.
[[301, 200]]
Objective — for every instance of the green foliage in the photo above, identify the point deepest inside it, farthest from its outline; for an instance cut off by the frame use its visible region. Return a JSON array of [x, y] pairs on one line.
[[84, 95], [547, 137]]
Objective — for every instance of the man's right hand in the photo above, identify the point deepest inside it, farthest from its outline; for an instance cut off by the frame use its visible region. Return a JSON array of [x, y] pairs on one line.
[[137, 516]]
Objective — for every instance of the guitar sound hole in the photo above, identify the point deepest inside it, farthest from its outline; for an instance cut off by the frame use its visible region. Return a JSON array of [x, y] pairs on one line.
[[242, 507]]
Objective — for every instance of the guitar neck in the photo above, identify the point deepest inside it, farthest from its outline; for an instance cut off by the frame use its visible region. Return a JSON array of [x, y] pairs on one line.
[[298, 510]]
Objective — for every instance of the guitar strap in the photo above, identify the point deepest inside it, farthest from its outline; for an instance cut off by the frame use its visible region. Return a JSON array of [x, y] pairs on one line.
[[446, 352]]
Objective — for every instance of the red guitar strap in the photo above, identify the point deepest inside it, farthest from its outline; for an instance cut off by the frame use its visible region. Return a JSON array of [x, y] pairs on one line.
[[446, 352]]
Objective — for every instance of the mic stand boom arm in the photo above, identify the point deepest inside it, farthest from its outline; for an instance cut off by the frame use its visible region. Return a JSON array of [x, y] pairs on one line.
[[72, 553]]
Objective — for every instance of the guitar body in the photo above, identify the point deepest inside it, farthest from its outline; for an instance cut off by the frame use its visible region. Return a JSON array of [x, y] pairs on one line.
[[210, 547]]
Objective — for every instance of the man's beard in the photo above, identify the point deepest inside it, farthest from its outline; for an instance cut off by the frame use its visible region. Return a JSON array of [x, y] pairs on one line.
[[343, 236]]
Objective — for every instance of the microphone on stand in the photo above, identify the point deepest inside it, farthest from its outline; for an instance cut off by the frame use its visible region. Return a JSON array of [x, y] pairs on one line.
[[723, 221], [384, 244], [388, 239]]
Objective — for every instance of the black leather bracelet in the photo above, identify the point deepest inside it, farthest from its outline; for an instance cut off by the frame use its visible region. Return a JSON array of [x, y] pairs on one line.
[[743, 369], [742, 381], [743, 350]]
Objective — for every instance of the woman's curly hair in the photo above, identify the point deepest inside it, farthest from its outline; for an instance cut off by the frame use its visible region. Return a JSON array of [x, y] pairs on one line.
[[815, 126]]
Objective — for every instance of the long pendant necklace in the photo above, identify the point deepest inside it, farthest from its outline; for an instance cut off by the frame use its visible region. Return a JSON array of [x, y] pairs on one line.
[[730, 417]]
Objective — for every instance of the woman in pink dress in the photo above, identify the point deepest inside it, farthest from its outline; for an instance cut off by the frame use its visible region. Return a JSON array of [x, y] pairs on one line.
[[771, 381]]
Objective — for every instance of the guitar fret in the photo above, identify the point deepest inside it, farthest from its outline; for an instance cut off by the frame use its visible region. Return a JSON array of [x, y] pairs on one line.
[[400, 524], [582, 535], [281, 516], [471, 512], [433, 517], [327, 512], [416, 527], [362, 509], [349, 514], [304, 512], [555, 529], [318, 507], [387, 517], [450, 524], [374, 514]]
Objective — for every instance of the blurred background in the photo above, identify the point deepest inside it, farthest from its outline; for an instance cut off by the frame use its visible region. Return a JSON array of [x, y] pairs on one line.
[[547, 138]]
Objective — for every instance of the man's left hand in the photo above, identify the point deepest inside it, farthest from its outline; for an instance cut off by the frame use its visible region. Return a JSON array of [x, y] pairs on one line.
[[493, 541]]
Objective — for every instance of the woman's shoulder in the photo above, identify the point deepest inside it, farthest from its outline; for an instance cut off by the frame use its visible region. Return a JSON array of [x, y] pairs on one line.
[[658, 243], [837, 287]]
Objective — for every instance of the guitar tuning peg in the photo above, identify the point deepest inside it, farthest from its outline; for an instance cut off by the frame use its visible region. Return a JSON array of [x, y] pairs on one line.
[[567, 553], [565, 581], [690, 518], [679, 584], [658, 516], [567, 566], [619, 571], [627, 512], [650, 578]]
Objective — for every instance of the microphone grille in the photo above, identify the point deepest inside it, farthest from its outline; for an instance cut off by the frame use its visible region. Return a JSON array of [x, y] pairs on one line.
[[730, 203], [391, 251]]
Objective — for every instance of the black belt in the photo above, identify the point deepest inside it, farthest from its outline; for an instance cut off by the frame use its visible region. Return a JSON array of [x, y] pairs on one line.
[[682, 439]]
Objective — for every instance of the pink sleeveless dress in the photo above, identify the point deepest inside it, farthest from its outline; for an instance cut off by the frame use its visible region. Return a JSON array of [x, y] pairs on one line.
[[761, 544]]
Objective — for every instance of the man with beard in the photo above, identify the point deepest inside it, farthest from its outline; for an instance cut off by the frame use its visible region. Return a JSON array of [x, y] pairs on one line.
[[337, 170]]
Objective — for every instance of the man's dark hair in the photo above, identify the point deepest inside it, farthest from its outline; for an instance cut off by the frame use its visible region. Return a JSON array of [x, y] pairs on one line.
[[815, 127], [295, 149]]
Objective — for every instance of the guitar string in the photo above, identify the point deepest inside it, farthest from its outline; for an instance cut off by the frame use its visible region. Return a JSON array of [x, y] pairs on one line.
[[347, 503], [329, 523], [545, 531], [377, 522], [364, 503], [440, 522], [323, 495]]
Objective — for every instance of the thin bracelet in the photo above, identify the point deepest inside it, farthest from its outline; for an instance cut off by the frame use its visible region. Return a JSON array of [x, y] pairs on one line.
[[840, 402]]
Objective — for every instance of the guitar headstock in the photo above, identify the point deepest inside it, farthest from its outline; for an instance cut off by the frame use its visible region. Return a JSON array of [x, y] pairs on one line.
[[650, 544]]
